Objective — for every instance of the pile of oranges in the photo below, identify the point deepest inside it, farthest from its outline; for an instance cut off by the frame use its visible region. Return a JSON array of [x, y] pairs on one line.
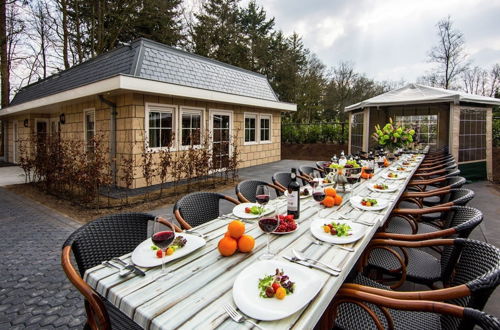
[[331, 198], [235, 240]]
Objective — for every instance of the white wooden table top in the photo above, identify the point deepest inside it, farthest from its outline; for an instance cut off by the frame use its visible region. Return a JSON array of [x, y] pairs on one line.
[[193, 297]]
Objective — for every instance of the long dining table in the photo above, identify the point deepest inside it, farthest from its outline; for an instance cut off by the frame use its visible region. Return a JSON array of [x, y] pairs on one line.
[[201, 283]]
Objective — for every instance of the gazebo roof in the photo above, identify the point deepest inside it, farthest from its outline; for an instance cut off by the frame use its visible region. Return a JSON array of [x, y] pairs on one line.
[[419, 94]]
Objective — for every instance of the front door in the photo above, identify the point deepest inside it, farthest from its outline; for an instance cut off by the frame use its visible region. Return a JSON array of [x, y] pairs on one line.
[[221, 124], [42, 129]]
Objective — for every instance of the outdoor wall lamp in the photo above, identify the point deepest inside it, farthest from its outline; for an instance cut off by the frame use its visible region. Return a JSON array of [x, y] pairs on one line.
[[26, 123], [62, 118]]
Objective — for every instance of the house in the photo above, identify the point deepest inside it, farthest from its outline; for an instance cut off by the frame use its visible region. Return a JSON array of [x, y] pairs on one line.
[[142, 95], [441, 117]]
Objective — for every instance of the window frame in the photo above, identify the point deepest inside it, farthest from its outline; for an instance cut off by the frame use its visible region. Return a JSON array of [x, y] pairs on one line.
[[85, 112], [167, 108], [354, 133], [428, 121], [257, 128], [192, 110], [270, 118], [469, 136]]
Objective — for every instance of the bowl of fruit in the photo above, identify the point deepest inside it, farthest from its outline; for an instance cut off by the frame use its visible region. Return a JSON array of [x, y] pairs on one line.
[[287, 225]]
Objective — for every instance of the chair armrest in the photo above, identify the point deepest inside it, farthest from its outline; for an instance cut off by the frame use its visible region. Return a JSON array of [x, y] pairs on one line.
[[417, 237], [424, 194], [181, 220], [167, 223], [231, 199]]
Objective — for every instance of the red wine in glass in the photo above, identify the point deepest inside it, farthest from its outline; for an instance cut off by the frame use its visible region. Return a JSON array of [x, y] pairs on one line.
[[319, 196], [163, 239], [268, 225], [262, 199]]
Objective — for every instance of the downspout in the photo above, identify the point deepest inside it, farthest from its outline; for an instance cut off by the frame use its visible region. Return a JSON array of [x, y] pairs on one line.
[[112, 136]]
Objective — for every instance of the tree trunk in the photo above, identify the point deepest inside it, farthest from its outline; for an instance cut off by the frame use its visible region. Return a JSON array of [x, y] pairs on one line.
[[64, 12], [4, 61]]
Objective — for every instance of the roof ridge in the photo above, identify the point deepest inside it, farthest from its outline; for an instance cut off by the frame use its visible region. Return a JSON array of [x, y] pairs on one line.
[[197, 56]]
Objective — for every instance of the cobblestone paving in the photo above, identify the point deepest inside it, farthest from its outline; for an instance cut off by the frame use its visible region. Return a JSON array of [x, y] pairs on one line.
[[34, 291]]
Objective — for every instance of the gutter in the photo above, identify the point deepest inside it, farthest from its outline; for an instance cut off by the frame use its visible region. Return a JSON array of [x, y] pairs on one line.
[[112, 136]]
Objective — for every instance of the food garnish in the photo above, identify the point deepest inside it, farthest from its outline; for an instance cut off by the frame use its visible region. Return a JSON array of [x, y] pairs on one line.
[[178, 243], [381, 186], [277, 285], [369, 202], [304, 192], [254, 209], [287, 224], [337, 229], [392, 175]]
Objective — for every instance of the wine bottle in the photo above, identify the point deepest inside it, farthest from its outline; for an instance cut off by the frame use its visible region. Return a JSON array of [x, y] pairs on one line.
[[293, 198]]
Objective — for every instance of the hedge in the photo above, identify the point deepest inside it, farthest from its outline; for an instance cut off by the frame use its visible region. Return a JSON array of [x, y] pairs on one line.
[[314, 133]]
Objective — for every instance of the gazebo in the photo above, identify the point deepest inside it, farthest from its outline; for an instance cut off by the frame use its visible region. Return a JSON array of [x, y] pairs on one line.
[[440, 117]]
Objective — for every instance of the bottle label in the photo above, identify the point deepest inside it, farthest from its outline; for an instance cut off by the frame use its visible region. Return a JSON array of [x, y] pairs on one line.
[[293, 201]]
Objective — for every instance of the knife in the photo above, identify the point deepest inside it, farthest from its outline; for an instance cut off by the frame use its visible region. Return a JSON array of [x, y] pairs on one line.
[[303, 263], [131, 267]]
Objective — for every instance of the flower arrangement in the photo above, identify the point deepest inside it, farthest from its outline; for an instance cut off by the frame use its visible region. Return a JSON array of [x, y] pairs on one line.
[[393, 135]]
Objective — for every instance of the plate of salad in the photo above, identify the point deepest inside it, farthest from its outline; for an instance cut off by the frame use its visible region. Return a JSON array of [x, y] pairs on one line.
[[337, 231], [251, 210], [148, 255], [271, 290], [368, 203], [382, 187]]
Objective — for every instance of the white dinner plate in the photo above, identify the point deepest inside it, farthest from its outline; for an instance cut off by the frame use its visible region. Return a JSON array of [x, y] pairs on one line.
[[391, 188], [395, 169], [144, 256], [301, 190], [381, 203], [246, 292], [239, 211], [401, 175], [357, 231]]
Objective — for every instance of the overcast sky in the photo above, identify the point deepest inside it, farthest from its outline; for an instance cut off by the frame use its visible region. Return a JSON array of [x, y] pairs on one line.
[[388, 39]]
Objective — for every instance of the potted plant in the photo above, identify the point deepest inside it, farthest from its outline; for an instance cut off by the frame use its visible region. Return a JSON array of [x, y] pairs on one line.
[[393, 136]]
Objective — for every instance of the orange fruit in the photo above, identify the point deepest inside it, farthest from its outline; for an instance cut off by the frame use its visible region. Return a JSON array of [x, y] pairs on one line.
[[338, 200], [329, 201], [236, 228], [330, 191], [227, 234], [227, 246], [246, 243]]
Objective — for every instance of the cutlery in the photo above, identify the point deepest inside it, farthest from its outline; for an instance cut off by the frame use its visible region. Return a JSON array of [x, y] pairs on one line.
[[194, 232], [345, 248], [238, 317], [130, 267], [303, 263], [122, 272], [302, 257]]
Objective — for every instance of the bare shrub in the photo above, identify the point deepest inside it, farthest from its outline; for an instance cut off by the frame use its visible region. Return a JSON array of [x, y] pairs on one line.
[[127, 176]]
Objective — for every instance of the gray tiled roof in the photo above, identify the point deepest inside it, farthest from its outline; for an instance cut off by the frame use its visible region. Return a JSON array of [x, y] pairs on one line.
[[151, 60]]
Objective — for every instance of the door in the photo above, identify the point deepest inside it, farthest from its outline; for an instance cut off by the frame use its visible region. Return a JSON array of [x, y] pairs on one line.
[[15, 142], [41, 130], [221, 125]]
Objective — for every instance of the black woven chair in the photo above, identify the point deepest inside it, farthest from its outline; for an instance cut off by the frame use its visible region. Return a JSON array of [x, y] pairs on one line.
[[447, 183], [475, 275], [322, 164], [197, 208], [282, 179], [307, 173], [245, 190], [100, 240], [422, 266]]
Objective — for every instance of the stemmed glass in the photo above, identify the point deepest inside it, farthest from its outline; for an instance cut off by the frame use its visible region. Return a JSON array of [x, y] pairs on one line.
[[268, 225], [316, 179], [262, 196], [162, 239], [353, 175]]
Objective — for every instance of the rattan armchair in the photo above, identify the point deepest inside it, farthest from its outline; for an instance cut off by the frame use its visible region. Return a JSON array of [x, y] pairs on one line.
[[282, 179], [100, 240], [245, 190], [474, 276], [446, 183], [307, 172], [197, 208]]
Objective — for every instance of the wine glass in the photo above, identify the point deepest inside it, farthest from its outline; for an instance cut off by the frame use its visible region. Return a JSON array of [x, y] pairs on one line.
[[353, 176], [268, 225], [316, 179], [162, 238], [318, 195], [262, 196]]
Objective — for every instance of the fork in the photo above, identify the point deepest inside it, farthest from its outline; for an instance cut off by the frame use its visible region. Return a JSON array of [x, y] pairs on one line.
[[345, 248], [237, 317]]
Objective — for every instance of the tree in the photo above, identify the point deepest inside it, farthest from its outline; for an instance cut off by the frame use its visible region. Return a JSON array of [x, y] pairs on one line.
[[311, 86], [449, 55]]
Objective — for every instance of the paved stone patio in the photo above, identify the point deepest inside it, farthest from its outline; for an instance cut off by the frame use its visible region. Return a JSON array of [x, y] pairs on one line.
[[34, 291]]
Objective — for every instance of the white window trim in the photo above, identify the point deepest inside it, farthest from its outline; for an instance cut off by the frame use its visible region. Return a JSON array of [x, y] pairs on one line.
[[85, 111], [195, 110], [257, 128], [270, 117], [173, 109], [229, 113]]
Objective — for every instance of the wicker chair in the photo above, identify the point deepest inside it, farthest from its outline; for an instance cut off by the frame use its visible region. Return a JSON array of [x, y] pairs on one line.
[[322, 164], [468, 284], [454, 182], [100, 240], [282, 179], [446, 164], [422, 266], [245, 190], [307, 172], [199, 207]]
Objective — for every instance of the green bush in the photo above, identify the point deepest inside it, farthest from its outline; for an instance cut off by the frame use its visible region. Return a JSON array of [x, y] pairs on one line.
[[496, 132], [314, 133]]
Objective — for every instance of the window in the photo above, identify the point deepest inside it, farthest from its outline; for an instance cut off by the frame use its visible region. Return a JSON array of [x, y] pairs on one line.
[[357, 133], [160, 126], [250, 128], [89, 127], [265, 128], [472, 137], [191, 127], [425, 126]]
